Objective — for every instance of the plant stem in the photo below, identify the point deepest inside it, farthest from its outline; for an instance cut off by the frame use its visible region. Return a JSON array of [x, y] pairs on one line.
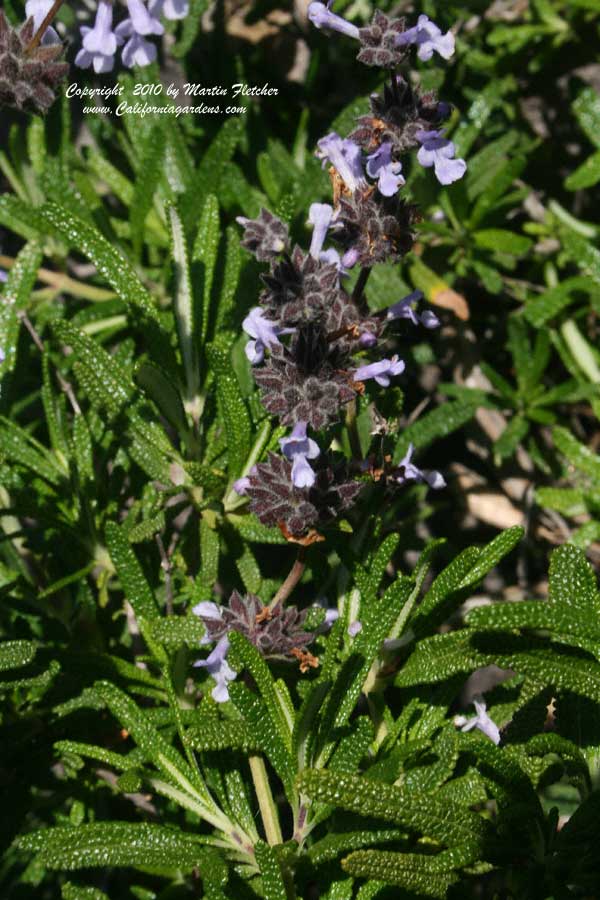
[[64, 384], [35, 40], [353, 430], [294, 576], [361, 281], [268, 810]]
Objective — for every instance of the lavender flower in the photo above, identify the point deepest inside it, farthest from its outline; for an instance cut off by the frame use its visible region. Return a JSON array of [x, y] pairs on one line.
[[438, 151], [381, 166], [140, 23], [346, 158], [3, 275], [319, 216], [170, 9], [299, 448], [331, 616], [381, 371], [405, 309], [100, 42], [350, 258], [242, 484], [265, 334], [322, 17], [482, 721], [354, 628], [38, 10], [367, 340], [217, 666], [407, 471], [428, 38]]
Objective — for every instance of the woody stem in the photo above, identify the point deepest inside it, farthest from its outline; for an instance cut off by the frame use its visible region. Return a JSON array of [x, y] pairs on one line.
[[294, 576], [35, 40], [360, 284]]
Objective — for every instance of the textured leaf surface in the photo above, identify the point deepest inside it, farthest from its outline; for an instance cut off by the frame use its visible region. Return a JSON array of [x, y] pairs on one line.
[[115, 844]]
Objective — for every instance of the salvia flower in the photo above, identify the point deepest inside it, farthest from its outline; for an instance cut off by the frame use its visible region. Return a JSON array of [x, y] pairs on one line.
[[319, 216], [407, 471], [217, 666], [346, 158], [3, 275], [482, 721], [299, 448], [381, 166], [275, 632], [322, 17], [99, 43], [38, 10], [381, 371], [265, 334], [170, 9], [405, 309], [354, 628], [140, 24], [438, 151], [428, 38]]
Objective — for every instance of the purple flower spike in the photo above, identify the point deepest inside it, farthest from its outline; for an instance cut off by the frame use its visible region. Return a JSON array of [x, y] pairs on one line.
[[407, 471], [99, 43], [438, 151], [380, 166], [354, 628], [428, 38], [381, 371], [319, 216], [38, 10], [345, 156], [483, 721], [265, 334], [322, 17], [299, 448], [219, 668]]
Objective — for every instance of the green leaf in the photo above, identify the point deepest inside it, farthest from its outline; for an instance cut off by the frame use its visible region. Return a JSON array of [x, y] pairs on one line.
[[159, 387], [15, 297], [72, 891], [368, 797], [580, 456], [206, 247], [585, 175], [23, 449], [584, 254], [587, 109], [502, 241], [133, 581], [101, 376], [14, 654], [232, 405], [183, 304], [333, 845], [273, 881], [252, 660], [115, 844], [511, 437], [545, 306], [437, 423], [190, 28], [147, 180], [429, 876], [213, 734], [111, 265], [572, 582]]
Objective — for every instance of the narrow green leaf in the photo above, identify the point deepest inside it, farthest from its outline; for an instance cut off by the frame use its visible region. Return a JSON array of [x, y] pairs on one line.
[[133, 581], [183, 304]]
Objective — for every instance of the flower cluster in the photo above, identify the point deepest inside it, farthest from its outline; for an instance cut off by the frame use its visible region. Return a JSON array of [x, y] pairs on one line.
[[30, 73], [309, 336], [277, 632], [100, 43]]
